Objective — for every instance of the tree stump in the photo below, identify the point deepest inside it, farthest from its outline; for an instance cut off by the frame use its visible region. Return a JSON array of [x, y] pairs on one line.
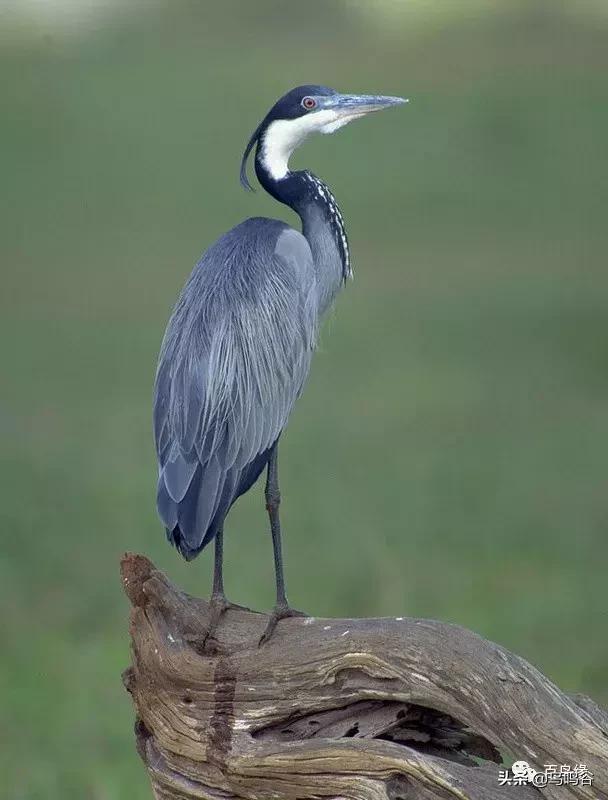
[[368, 709]]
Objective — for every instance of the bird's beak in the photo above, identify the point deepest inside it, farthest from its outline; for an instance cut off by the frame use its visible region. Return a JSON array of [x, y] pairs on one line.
[[349, 106]]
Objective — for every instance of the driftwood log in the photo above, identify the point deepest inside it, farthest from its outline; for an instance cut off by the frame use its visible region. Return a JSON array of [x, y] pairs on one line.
[[368, 709]]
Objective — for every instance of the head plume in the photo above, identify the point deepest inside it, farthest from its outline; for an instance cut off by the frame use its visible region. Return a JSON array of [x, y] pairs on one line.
[[255, 136]]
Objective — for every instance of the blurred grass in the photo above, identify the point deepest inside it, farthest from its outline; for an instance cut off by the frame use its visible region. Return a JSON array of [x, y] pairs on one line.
[[448, 458]]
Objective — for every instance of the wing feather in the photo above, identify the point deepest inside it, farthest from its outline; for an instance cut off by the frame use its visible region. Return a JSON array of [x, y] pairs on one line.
[[234, 359]]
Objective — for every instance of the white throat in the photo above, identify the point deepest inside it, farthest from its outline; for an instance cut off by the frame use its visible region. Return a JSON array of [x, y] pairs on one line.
[[283, 136]]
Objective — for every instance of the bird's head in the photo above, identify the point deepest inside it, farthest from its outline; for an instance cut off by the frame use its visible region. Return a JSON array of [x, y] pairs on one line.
[[300, 112]]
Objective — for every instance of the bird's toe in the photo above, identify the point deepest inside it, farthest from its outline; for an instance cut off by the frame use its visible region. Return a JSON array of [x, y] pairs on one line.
[[204, 641], [279, 613]]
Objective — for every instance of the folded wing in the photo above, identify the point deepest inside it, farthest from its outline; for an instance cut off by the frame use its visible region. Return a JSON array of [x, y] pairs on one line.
[[234, 359]]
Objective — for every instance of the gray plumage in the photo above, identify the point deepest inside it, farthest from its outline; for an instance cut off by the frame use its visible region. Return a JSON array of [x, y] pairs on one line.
[[233, 361]]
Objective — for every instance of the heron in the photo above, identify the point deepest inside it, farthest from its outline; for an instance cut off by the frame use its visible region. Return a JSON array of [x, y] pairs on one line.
[[238, 346]]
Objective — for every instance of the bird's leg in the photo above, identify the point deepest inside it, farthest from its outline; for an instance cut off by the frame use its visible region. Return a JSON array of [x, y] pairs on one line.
[[217, 592], [282, 608], [218, 603]]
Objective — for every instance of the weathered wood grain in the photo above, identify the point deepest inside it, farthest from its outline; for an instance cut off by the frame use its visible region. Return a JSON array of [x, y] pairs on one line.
[[368, 709]]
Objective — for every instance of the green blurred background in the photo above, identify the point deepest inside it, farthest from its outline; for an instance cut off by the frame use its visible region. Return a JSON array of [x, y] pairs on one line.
[[449, 456]]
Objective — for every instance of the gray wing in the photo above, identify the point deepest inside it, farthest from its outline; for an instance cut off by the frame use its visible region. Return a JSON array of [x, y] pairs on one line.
[[234, 359]]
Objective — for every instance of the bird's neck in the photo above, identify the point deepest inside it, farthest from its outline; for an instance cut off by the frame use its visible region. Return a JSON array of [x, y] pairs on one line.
[[322, 223]]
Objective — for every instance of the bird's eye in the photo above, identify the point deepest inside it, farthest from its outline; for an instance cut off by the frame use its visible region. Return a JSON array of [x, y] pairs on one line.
[[309, 102]]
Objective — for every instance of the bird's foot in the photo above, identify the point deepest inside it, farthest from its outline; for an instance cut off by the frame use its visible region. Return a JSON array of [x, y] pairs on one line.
[[218, 605], [279, 612]]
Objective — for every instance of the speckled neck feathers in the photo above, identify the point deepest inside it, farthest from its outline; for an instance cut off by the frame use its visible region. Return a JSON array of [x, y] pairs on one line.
[[316, 206], [327, 202]]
